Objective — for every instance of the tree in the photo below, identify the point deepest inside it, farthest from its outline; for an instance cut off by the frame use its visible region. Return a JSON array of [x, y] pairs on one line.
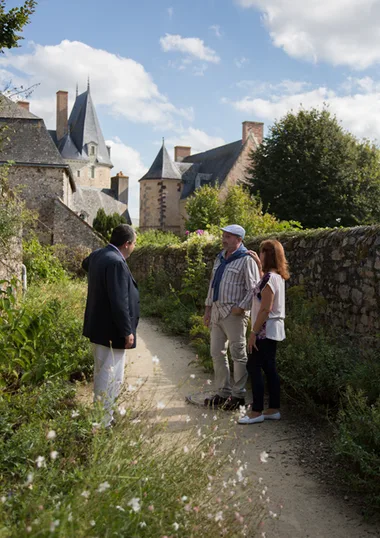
[[104, 224], [203, 209], [12, 22], [309, 169]]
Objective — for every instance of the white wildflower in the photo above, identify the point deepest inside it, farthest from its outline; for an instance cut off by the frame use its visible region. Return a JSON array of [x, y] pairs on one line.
[[272, 514], [192, 376], [239, 473], [208, 382], [155, 359], [40, 461], [95, 425], [29, 479], [142, 524], [103, 486], [184, 498], [199, 432], [264, 457], [260, 480], [188, 419], [214, 417], [204, 415], [135, 504], [75, 414], [120, 508], [160, 405], [54, 525], [185, 449], [122, 411], [51, 435], [219, 516], [175, 526], [70, 517], [85, 494], [53, 454], [29, 529], [3, 499], [92, 523]]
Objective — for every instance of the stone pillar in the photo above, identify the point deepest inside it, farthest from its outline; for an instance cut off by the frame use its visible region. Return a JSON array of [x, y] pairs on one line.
[[180, 152], [257, 129], [62, 111]]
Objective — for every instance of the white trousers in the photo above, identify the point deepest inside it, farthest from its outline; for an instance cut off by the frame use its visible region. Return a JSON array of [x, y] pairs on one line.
[[108, 377]]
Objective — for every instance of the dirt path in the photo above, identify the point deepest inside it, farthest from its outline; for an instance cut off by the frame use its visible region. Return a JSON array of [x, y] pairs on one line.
[[305, 509]]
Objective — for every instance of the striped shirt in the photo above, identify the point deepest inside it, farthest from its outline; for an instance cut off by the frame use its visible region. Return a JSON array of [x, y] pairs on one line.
[[236, 287]]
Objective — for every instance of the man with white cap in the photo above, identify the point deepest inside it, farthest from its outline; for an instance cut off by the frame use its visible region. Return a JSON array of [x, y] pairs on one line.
[[227, 311]]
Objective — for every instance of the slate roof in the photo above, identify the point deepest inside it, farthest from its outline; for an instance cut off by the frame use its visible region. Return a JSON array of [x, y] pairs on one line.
[[10, 109], [90, 199], [163, 167], [84, 128], [68, 149]]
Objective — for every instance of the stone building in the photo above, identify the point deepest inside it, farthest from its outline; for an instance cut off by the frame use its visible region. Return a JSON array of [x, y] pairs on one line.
[[166, 186], [81, 144], [40, 176]]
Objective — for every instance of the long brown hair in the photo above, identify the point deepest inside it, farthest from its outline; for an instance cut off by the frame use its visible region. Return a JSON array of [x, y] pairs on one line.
[[274, 257]]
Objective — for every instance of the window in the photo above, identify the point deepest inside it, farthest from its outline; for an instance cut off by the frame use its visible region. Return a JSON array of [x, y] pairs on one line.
[[92, 172], [92, 150], [78, 173]]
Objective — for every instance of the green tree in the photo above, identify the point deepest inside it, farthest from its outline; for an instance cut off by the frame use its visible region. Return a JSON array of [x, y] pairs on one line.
[[104, 224], [309, 169], [12, 22], [203, 209]]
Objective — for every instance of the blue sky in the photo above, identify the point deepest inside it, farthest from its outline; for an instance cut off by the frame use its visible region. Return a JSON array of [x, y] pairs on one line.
[[192, 72]]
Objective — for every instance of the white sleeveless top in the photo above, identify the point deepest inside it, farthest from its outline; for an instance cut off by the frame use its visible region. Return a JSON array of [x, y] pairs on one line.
[[274, 328]]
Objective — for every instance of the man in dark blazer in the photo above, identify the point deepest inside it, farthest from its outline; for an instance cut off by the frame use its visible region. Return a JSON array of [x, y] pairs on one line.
[[112, 314]]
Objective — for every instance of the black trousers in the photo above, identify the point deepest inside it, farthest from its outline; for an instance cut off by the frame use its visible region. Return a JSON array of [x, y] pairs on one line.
[[264, 360]]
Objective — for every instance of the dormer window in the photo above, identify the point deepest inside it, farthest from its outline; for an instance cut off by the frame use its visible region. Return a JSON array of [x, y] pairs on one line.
[[92, 150]]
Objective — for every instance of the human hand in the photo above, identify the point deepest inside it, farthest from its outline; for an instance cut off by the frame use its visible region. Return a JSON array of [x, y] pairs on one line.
[[252, 342], [129, 341], [237, 311], [207, 318], [256, 257]]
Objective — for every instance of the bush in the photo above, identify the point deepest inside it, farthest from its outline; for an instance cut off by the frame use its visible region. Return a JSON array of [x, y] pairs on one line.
[[157, 238], [104, 224], [41, 262], [71, 258]]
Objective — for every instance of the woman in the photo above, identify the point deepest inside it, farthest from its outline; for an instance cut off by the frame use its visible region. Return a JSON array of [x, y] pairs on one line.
[[267, 319]]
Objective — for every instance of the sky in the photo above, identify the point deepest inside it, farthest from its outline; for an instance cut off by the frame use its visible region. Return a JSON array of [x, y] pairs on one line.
[[193, 71]]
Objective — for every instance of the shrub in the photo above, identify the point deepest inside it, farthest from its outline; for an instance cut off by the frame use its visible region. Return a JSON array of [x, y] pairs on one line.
[[104, 224], [41, 262], [71, 258], [156, 238]]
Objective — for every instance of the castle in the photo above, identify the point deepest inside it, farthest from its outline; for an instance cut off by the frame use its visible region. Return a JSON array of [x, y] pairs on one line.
[[167, 185]]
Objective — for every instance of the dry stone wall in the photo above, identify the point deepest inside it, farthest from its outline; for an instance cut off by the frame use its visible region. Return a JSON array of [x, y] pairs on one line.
[[340, 265]]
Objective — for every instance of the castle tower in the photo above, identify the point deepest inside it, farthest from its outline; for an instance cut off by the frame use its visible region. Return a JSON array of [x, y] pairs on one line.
[[160, 190]]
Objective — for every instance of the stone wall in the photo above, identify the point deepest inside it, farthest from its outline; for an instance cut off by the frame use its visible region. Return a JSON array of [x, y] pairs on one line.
[[340, 265], [11, 260], [71, 230], [159, 205]]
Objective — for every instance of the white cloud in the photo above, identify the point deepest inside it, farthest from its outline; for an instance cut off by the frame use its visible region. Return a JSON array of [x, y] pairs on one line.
[[119, 84], [194, 47], [341, 32], [356, 104], [197, 139], [128, 160], [170, 11], [216, 29], [241, 62]]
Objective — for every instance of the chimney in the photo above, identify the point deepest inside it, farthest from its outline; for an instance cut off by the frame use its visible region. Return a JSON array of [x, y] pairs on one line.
[[24, 104], [256, 128], [120, 186], [180, 152], [62, 98]]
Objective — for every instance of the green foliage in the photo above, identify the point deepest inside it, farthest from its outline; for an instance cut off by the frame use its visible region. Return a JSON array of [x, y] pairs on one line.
[[156, 238], [104, 224], [40, 339], [207, 211], [200, 340], [204, 209], [12, 22], [71, 258], [41, 262], [357, 443], [310, 170]]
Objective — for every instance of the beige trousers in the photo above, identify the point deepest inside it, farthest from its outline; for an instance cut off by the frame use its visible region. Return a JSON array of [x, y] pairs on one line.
[[108, 377], [230, 331]]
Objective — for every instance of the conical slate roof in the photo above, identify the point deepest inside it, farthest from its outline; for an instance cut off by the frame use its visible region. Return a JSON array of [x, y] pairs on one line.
[[68, 149], [163, 167], [84, 128]]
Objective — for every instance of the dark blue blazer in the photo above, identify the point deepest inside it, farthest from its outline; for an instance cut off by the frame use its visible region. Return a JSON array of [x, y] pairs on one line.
[[113, 303]]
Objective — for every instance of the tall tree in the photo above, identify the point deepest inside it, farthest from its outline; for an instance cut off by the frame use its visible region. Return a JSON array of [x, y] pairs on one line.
[[12, 22], [310, 170]]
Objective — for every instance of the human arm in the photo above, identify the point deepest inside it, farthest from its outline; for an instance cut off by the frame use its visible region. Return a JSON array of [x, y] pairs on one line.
[[256, 257], [117, 282], [267, 297], [252, 276]]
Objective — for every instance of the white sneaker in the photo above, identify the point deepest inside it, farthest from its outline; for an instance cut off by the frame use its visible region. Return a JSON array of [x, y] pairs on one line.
[[273, 416], [247, 420]]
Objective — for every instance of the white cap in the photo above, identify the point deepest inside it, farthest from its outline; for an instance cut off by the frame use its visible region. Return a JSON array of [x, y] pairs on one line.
[[234, 229]]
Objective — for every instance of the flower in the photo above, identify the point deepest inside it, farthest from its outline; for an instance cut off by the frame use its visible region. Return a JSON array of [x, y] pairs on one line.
[[40, 461], [192, 376], [187, 232], [70, 517], [54, 525], [184, 498], [51, 435], [92, 523], [75, 414], [142, 524], [185, 449], [134, 503], [103, 486], [85, 494], [272, 514], [208, 382], [188, 419], [155, 359], [175, 526], [120, 508], [3, 499], [53, 454], [160, 405], [239, 473], [264, 457], [122, 411], [219, 516], [29, 479]]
